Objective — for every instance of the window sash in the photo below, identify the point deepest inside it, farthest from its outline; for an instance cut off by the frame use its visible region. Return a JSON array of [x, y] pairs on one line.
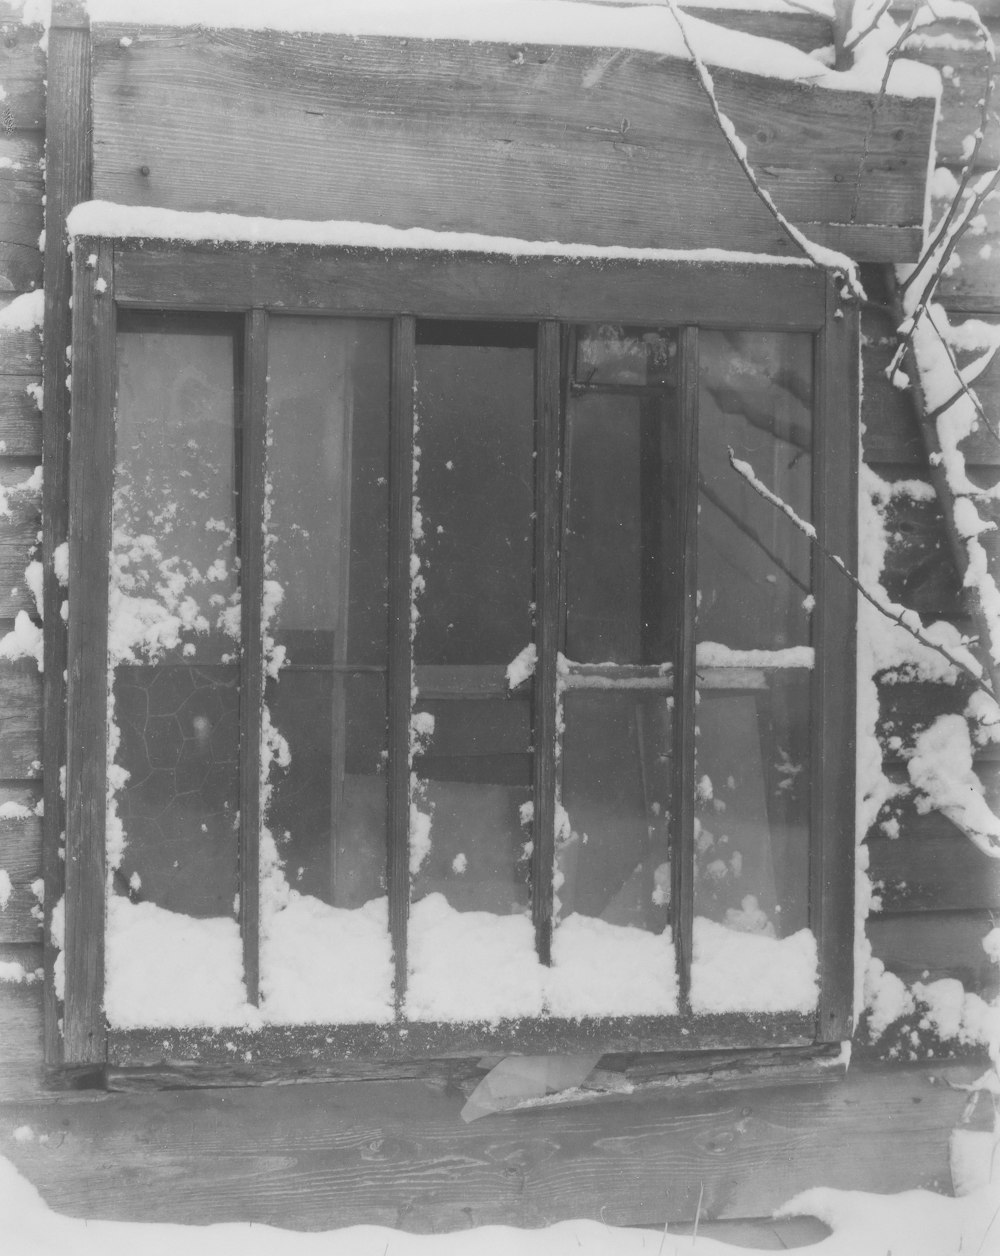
[[633, 295]]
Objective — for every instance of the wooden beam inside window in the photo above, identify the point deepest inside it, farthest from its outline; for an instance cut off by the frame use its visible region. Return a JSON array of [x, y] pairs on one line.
[[252, 470], [400, 643], [682, 859], [832, 821], [547, 627]]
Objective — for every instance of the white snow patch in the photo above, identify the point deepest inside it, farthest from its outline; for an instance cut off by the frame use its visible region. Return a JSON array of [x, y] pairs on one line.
[[941, 768], [6, 888], [164, 968], [736, 971], [24, 312], [25, 640]]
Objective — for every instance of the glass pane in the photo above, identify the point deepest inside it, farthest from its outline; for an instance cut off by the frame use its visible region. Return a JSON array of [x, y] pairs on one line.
[[325, 951], [622, 525], [623, 603], [754, 660], [472, 767], [174, 614], [754, 565]]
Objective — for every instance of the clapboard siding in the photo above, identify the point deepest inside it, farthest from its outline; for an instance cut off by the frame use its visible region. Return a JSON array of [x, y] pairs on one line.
[[922, 947], [956, 50], [532, 142], [21, 1073], [20, 721], [18, 537], [932, 868], [21, 859], [398, 1153]]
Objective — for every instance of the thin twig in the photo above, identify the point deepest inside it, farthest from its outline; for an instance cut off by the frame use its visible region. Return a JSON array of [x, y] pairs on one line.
[[967, 170], [738, 149], [697, 1214], [746, 471], [851, 44]]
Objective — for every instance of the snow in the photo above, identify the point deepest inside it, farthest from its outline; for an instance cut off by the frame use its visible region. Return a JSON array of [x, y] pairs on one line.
[[327, 964], [737, 971], [103, 218], [941, 769], [712, 654], [24, 312], [649, 28], [163, 968], [25, 640], [6, 888]]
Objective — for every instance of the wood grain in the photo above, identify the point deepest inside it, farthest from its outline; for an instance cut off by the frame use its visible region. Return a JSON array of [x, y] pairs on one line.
[[22, 72], [18, 538], [965, 65], [540, 143], [932, 867], [457, 285], [927, 946], [20, 350], [67, 182], [91, 475], [20, 721], [833, 717], [21, 1075], [21, 859], [20, 419], [397, 1153]]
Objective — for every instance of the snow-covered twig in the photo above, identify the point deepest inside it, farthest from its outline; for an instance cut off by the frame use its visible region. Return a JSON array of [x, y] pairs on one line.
[[823, 258], [745, 470]]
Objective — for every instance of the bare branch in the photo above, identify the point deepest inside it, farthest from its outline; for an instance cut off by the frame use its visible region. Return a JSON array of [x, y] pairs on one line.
[[746, 471], [883, 9]]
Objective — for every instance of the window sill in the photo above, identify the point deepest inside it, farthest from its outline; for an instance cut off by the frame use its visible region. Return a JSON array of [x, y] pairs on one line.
[[322, 1050]]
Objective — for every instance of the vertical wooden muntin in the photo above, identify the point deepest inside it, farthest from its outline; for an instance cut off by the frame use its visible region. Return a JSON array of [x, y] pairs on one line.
[[91, 482], [251, 404], [548, 620], [67, 182], [833, 731], [682, 857], [401, 419]]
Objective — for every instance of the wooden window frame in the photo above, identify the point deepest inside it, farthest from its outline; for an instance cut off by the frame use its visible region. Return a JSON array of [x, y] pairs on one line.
[[403, 286]]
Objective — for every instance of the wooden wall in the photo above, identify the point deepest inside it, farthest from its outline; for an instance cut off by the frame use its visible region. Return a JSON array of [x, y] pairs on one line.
[[396, 1151], [22, 135]]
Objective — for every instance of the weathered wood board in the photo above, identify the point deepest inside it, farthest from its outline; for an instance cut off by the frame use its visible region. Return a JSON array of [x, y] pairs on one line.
[[959, 53], [21, 1075], [21, 859], [22, 73], [20, 348], [20, 418], [20, 721], [18, 538], [939, 871], [596, 145], [926, 946], [398, 1154]]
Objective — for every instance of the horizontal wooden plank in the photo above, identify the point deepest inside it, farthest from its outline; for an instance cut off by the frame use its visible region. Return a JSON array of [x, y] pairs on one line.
[[937, 870], [919, 571], [21, 210], [20, 418], [18, 538], [596, 145], [955, 49], [398, 1153], [21, 1075], [366, 281], [22, 73], [925, 946], [20, 267], [973, 283], [905, 709], [20, 349], [20, 720], [802, 30], [21, 859]]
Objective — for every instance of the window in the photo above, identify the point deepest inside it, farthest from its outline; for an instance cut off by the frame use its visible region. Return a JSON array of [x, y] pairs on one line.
[[436, 683]]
